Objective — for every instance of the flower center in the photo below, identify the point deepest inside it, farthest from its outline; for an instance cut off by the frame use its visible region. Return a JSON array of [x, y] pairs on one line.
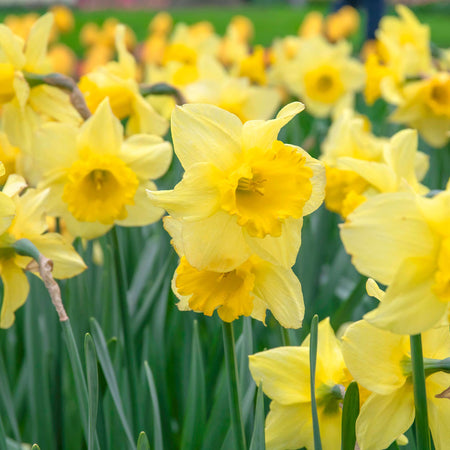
[[184, 75], [98, 189], [6, 82], [330, 398], [181, 53], [228, 292], [324, 84], [439, 96], [268, 189]]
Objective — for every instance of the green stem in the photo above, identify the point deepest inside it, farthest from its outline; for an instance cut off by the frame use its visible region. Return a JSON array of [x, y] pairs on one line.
[[285, 338], [122, 288], [420, 394], [233, 386], [313, 341]]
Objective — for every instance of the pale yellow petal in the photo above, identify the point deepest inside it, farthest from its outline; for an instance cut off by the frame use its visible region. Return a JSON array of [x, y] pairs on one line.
[[284, 373], [383, 232], [318, 182], [175, 229], [195, 197], [374, 290], [66, 261], [14, 185], [409, 305], [15, 291], [30, 210], [36, 46], [289, 427], [262, 134], [147, 156], [281, 292], [101, 133], [87, 230], [261, 103], [216, 243], [383, 418], [126, 59], [21, 89], [438, 410], [281, 250], [436, 343], [142, 212], [373, 357], [7, 211], [206, 133], [11, 48], [330, 429], [144, 119]]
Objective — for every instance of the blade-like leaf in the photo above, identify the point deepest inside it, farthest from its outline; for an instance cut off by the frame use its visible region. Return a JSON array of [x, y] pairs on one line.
[[157, 430], [142, 443], [350, 412], [92, 384], [258, 438]]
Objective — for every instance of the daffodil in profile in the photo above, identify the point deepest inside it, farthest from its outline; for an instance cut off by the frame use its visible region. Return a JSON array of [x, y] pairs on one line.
[[96, 178], [23, 217], [402, 240], [248, 290], [285, 376], [380, 361], [243, 192]]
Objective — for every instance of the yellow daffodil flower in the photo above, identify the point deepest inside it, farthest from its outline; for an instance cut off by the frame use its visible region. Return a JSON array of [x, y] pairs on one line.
[[381, 362], [117, 81], [403, 241], [243, 191], [404, 43], [425, 105], [25, 107], [284, 374], [95, 177], [23, 217], [360, 165], [324, 76], [249, 289]]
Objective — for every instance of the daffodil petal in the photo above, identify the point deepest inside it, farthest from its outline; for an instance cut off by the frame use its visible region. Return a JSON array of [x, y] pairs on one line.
[[330, 429], [206, 133], [281, 292], [373, 357], [66, 261], [409, 305], [142, 212], [195, 197], [37, 41], [318, 182], [262, 134], [12, 47], [88, 230], [383, 418], [15, 291], [147, 156], [383, 231], [284, 373], [438, 409], [144, 119], [216, 243], [7, 211], [279, 250], [102, 132]]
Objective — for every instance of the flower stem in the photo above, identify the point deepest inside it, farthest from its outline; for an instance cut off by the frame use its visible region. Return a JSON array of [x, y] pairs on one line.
[[233, 386], [312, 371], [420, 394], [285, 338], [122, 289]]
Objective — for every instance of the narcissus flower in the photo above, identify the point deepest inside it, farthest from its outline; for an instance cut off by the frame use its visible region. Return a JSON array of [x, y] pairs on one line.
[[381, 362], [23, 217], [284, 374], [425, 105], [324, 75], [249, 289], [96, 178], [117, 81], [402, 240], [243, 191]]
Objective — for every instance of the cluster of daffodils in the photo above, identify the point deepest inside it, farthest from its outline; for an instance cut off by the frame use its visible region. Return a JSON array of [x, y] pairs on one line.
[[82, 152]]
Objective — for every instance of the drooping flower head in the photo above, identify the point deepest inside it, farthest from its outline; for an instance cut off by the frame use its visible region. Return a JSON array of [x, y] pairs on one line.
[[381, 362], [285, 376], [23, 217], [96, 178], [243, 191]]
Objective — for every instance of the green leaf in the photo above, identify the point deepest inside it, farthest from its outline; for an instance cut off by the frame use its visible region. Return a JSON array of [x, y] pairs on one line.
[[2, 436], [110, 376], [35, 447], [350, 412], [157, 430], [92, 384], [258, 438], [312, 373], [195, 414], [142, 443]]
